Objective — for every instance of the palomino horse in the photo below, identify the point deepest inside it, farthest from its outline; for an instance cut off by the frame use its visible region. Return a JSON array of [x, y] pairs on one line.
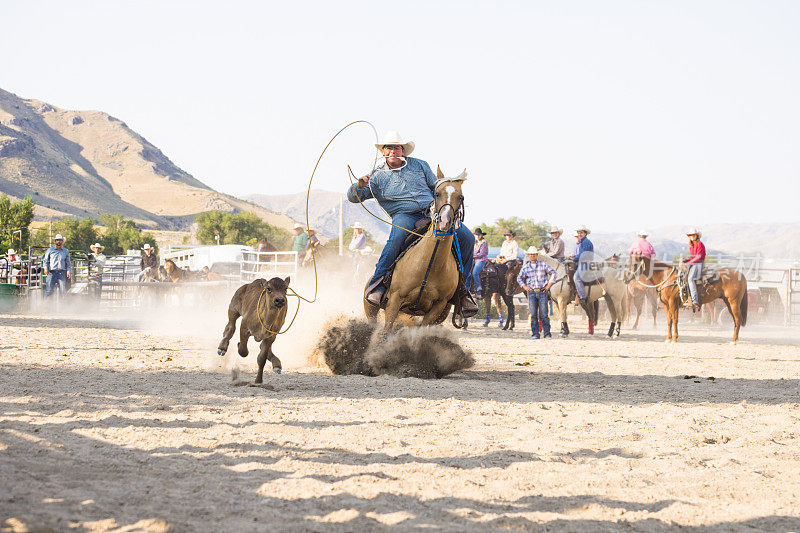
[[612, 288], [730, 285], [426, 277]]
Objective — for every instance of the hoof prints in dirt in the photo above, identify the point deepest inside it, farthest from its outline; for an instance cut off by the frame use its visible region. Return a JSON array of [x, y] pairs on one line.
[[357, 346]]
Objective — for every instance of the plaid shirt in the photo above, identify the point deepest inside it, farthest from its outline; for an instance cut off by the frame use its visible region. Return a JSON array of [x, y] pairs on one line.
[[536, 274]]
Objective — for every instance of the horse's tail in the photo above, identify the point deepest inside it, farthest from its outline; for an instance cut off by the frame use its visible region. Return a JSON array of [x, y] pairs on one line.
[[743, 307]]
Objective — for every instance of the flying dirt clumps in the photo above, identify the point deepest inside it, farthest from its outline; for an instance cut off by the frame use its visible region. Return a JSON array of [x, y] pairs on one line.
[[358, 346]]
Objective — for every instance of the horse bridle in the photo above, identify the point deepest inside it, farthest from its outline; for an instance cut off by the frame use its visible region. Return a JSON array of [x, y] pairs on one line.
[[638, 270], [458, 218]]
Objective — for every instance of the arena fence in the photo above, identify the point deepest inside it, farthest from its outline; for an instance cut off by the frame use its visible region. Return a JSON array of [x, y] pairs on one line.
[[267, 265]]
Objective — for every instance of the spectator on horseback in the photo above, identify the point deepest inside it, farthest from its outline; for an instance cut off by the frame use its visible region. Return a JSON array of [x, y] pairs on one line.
[[404, 187], [642, 246], [536, 278], [149, 261], [359, 240], [509, 250], [583, 246], [555, 248], [695, 262], [480, 255], [57, 265], [313, 240], [300, 239]]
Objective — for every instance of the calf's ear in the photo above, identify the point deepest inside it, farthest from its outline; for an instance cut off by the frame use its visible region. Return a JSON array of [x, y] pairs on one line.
[[287, 280]]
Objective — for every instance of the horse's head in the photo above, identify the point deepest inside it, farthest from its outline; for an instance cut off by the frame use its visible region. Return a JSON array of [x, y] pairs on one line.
[[447, 211], [511, 275]]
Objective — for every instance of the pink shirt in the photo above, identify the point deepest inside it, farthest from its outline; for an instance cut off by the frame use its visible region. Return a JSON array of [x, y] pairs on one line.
[[643, 247]]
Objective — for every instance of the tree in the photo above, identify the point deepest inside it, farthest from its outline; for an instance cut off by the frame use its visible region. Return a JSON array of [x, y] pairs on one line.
[[238, 228], [122, 235], [78, 234], [529, 232], [15, 220]]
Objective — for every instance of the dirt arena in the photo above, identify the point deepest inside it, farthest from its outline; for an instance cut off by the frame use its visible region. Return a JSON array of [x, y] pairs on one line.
[[112, 422]]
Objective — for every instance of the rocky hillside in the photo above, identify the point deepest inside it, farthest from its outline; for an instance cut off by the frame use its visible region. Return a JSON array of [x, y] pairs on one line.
[[324, 211], [85, 163]]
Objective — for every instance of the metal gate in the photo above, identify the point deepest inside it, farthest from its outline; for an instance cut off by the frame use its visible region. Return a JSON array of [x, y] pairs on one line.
[[793, 297], [267, 265]]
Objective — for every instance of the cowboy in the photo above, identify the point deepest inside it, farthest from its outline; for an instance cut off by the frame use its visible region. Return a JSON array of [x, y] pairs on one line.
[[509, 250], [536, 278], [99, 256], [300, 239], [13, 266], [480, 254], [359, 240], [695, 262], [404, 187], [148, 262], [582, 246], [555, 248], [642, 246], [57, 265], [313, 240]]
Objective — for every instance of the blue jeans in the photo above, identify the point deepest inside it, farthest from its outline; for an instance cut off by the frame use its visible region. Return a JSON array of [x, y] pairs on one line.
[[476, 271], [579, 288], [537, 304], [55, 276], [393, 246], [692, 275]]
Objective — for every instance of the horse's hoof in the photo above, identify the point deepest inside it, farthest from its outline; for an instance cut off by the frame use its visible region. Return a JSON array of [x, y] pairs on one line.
[[277, 370], [220, 351]]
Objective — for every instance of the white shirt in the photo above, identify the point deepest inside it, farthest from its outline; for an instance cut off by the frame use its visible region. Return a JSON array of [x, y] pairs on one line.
[[510, 249]]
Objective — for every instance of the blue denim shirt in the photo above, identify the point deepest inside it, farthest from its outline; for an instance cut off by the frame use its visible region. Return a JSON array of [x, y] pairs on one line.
[[584, 246], [406, 190], [55, 259]]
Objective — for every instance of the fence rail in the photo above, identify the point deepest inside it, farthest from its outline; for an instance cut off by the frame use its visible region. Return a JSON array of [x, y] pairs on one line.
[[267, 264]]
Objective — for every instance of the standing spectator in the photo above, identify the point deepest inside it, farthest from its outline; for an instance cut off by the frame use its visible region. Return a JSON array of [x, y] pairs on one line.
[[697, 258], [14, 266], [642, 246], [359, 240], [57, 265], [480, 255], [509, 250], [149, 261], [300, 239], [536, 278], [96, 279], [555, 248]]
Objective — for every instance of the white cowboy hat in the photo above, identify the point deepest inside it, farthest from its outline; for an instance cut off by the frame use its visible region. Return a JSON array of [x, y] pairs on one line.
[[358, 225], [531, 251], [97, 245], [556, 230], [146, 246], [298, 226], [584, 229], [392, 137], [693, 231], [642, 233], [58, 237], [12, 251]]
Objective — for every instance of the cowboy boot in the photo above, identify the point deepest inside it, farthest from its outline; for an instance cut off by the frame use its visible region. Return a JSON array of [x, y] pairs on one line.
[[468, 306], [591, 328]]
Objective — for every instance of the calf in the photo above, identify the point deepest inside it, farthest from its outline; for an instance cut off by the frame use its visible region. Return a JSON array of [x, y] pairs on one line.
[[262, 306]]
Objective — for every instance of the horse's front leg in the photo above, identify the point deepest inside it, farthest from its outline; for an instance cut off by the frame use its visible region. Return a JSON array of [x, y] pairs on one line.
[[392, 310], [433, 313]]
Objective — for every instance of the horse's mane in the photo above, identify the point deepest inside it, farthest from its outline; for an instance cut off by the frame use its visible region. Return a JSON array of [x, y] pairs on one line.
[[560, 268]]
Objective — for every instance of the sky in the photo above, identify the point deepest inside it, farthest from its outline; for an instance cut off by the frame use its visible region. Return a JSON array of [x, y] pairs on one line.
[[615, 114]]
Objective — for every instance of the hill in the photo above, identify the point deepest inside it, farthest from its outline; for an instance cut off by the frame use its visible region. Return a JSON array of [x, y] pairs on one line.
[[324, 211], [84, 163]]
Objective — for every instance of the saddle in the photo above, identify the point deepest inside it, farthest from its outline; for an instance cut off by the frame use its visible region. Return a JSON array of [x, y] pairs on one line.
[[572, 267], [708, 276]]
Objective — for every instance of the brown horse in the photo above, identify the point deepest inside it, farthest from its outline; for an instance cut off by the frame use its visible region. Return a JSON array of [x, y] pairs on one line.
[[173, 273], [638, 294], [729, 285], [426, 277]]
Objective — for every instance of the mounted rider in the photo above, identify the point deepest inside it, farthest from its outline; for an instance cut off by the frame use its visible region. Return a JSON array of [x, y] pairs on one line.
[[556, 247], [480, 255], [584, 251], [509, 250], [642, 246], [695, 262], [404, 187]]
